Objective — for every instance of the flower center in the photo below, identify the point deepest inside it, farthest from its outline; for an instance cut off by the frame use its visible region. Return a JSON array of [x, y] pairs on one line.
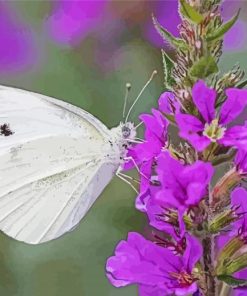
[[214, 131], [183, 278]]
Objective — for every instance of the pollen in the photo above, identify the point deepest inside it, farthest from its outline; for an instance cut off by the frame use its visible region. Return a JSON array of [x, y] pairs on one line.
[[183, 278], [214, 131]]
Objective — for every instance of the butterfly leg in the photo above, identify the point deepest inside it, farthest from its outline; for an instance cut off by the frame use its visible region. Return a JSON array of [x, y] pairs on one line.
[[130, 158], [124, 177]]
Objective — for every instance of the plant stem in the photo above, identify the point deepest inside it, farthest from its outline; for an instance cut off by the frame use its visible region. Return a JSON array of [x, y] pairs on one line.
[[208, 260], [208, 254]]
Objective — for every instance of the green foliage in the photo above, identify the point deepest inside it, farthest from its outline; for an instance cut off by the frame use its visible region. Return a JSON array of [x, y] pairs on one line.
[[204, 67], [219, 33], [168, 65], [167, 36], [190, 13], [242, 84], [232, 281]]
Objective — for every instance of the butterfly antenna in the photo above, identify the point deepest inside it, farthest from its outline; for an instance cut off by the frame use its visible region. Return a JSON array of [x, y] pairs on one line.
[[139, 124], [127, 90], [142, 90]]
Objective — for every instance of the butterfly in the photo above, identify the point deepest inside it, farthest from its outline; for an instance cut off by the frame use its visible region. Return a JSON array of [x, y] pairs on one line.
[[55, 160]]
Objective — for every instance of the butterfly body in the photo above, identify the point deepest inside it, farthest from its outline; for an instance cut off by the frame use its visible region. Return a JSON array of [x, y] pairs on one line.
[[54, 162]]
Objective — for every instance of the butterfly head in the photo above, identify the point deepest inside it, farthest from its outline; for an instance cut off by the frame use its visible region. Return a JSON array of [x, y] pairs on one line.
[[124, 135], [128, 131]]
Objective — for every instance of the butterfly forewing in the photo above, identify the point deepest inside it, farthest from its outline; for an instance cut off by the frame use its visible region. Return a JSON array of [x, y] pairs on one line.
[[49, 165]]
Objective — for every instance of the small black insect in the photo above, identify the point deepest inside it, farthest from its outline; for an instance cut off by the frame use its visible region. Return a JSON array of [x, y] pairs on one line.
[[5, 130]]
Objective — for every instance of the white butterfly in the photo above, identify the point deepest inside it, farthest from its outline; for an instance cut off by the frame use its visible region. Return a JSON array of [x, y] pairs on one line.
[[55, 160]]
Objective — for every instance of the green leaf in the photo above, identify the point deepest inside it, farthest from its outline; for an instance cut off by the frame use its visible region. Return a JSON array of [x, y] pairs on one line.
[[219, 33], [168, 65], [204, 67], [190, 13], [232, 281], [176, 42], [241, 84]]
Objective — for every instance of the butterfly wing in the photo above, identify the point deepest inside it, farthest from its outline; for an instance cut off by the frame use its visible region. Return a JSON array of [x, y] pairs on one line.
[[49, 165]]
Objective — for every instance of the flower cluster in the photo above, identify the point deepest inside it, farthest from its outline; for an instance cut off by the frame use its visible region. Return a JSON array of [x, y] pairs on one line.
[[189, 215]]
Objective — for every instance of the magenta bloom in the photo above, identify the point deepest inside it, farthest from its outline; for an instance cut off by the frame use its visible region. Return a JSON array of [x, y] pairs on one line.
[[144, 154], [168, 103], [154, 269], [183, 186], [241, 161], [210, 127], [71, 21], [154, 140], [167, 14], [238, 228], [239, 210], [18, 50]]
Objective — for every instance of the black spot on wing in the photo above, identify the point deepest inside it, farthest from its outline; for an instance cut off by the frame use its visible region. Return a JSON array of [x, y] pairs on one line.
[[5, 130]]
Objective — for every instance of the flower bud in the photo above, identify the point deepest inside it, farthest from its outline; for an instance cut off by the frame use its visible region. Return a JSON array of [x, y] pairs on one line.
[[221, 191]]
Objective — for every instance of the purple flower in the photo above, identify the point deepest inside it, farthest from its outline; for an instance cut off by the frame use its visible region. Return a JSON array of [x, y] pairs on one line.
[[17, 51], [236, 37], [210, 127], [154, 140], [168, 103], [144, 154], [241, 161], [167, 14], [239, 210], [183, 186], [71, 21], [155, 269]]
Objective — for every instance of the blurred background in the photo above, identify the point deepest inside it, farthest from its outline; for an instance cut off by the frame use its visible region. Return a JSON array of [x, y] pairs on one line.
[[84, 52]]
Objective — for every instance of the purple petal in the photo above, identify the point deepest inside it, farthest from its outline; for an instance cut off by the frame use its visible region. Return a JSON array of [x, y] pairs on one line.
[[71, 21], [196, 178], [146, 190], [235, 136], [166, 198], [187, 290], [241, 160], [234, 104], [239, 200], [156, 125], [198, 142], [191, 129], [156, 213], [189, 123], [192, 253], [140, 261], [168, 169], [204, 99], [195, 193], [168, 103], [152, 291], [18, 51]]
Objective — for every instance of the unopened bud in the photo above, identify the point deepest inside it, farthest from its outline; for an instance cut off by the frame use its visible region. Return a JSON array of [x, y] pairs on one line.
[[222, 220], [221, 191], [224, 259]]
